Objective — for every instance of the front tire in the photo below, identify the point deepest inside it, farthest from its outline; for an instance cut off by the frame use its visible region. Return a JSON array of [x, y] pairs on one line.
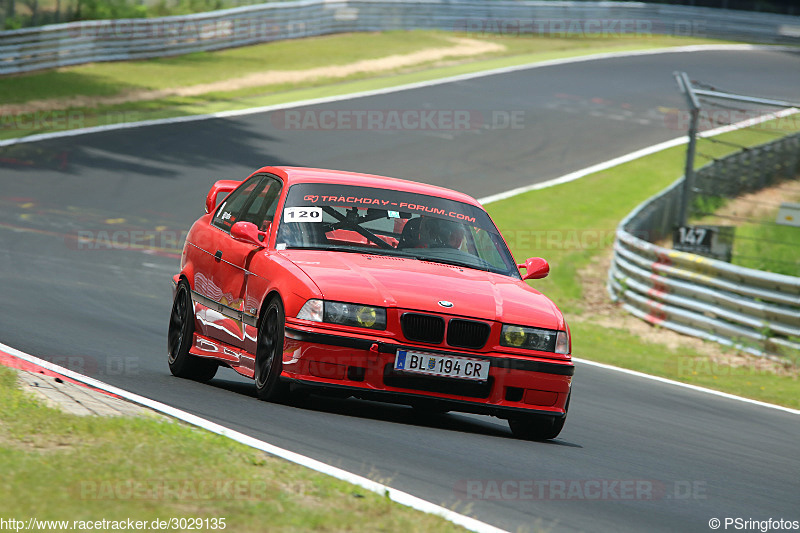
[[180, 336], [538, 427], [269, 353]]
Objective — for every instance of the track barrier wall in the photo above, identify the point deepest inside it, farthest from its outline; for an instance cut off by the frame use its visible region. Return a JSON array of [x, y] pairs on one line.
[[756, 311], [75, 43]]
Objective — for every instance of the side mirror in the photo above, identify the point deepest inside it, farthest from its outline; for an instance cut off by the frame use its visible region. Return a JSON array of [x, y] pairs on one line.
[[247, 232], [221, 186], [535, 268]]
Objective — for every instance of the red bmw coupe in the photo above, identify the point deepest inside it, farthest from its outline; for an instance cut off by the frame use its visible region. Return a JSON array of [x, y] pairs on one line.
[[372, 287]]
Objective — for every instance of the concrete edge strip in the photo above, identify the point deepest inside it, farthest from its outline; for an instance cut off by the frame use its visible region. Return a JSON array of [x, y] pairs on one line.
[[696, 388], [395, 495], [387, 90], [10, 361]]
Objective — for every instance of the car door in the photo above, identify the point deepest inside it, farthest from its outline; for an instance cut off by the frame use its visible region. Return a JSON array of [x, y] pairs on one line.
[[261, 212], [222, 266]]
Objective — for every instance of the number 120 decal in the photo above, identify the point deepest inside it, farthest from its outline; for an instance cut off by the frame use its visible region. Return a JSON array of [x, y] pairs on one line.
[[302, 214]]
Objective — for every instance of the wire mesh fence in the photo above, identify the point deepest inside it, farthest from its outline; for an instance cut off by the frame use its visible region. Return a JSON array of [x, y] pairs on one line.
[[746, 190], [755, 310]]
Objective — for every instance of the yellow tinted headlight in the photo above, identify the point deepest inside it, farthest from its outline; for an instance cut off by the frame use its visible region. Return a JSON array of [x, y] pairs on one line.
[[367, 316], [543, 340], [362, 316], [513, 336]]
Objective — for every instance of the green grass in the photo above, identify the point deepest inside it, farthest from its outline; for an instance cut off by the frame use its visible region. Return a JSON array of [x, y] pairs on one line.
[[114, 78], [590, 209], [759, 242], [58, 466], [620, 348], [768, 247], [123, 78]]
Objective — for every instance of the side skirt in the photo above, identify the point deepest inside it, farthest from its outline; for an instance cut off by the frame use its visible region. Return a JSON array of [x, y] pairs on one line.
[[239, 360]]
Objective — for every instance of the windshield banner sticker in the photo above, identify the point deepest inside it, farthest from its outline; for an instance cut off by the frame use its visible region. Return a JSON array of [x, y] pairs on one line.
[[357, 201]]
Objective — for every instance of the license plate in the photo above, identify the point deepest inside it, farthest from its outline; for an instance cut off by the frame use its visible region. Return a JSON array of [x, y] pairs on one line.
[[450, 366]]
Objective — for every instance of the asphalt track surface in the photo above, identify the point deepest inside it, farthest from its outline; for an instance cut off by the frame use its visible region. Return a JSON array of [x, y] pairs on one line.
[[104, 312]]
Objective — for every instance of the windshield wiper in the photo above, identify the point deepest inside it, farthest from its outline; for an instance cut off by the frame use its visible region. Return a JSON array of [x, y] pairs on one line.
[[483, 265], [479, 264], [340, 248]]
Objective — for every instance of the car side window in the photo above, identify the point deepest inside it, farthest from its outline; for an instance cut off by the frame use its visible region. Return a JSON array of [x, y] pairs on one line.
[[254, 201], [261, 208]]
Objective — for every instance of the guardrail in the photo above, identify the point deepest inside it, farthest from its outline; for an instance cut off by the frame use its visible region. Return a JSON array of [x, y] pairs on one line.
[[74, 43], [755, 311]]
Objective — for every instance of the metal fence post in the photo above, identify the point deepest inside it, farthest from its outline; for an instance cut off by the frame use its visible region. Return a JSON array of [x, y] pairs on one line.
[[688, 175]]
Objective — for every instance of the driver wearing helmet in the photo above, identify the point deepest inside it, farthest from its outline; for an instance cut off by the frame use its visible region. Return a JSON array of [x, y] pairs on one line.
[[440, 233]]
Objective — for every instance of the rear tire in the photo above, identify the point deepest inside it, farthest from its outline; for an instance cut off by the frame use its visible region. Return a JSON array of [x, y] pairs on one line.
[[538, 427], [180, 338], [269, 353]]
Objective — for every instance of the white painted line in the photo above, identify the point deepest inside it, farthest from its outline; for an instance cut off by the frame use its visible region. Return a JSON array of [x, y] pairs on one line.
[[687, 386], [398, 88], [572, 176], [395, 495]]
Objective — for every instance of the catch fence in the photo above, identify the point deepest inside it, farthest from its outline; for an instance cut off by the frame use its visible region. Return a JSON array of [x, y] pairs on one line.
[[756, 311]]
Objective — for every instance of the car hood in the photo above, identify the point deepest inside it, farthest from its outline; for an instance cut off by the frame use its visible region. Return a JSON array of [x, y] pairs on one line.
[[417, 285]]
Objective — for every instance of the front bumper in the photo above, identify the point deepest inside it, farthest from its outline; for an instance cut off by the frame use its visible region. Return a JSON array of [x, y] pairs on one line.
[[365, 367]]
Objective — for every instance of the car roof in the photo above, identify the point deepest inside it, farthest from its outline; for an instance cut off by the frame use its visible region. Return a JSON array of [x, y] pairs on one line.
[[294, 175]]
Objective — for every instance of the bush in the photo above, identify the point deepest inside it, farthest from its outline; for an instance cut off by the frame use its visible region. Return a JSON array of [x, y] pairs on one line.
[[107, 9]]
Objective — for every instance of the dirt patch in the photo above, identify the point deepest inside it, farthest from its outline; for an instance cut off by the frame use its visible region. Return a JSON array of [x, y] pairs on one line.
[[461, 48], [761, 203], [754, 205], [608, 314]]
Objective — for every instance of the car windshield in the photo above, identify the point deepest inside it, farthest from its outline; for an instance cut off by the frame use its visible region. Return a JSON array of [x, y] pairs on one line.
[[389, 222]]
